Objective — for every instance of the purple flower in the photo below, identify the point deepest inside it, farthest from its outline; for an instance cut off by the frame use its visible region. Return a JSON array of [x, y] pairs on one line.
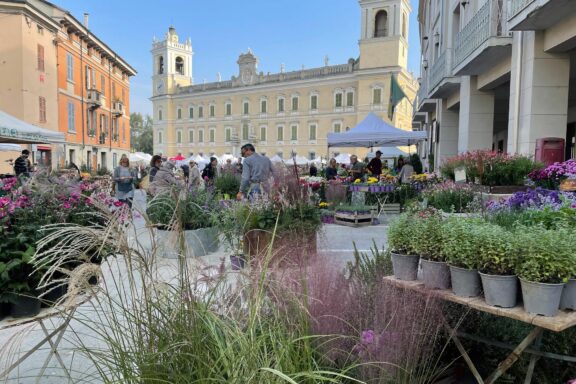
[[367, 337]]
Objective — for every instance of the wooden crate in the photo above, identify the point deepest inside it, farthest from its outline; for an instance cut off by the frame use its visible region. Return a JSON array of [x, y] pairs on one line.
[[353, 219], [390, 208]]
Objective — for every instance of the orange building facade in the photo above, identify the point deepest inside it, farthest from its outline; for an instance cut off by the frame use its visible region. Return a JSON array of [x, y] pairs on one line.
[[93, 97]]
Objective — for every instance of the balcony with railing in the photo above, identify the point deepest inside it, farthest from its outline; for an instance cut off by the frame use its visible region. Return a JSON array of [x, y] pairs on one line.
[[94, 98], [483, 41], [532, 15], [441, 82]]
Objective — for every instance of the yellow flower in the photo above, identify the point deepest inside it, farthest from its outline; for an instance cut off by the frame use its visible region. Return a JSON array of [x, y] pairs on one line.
[[357, 181], [372, 180], [324, 204], [85, 175]]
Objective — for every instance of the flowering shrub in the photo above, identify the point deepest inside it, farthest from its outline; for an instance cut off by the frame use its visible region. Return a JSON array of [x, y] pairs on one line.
[[449, 197], [490, 168], [552, 209], [551, 176]]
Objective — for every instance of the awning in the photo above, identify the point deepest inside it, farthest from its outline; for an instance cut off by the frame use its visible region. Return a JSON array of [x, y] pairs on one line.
[[374, 132], [13, 130]]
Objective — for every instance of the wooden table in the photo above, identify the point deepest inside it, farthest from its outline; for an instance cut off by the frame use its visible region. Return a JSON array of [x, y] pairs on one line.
[[559, 323], [66, 311]]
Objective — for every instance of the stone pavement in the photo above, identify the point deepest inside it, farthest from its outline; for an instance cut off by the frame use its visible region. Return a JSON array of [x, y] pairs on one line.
[[334, 241]]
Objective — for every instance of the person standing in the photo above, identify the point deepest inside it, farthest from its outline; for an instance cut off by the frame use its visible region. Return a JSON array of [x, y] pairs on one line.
[[155, 164], [332, 170], [124, 179], [239, 166], [256, 170], [405, 173], [194, 180], [22, 164], [211, 171], [357, 168], [375, 165], [313, 170], [228, 168]]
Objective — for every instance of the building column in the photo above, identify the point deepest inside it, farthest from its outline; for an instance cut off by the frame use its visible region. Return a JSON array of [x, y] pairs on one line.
[[538, 93], [447, 140], [476, 122]]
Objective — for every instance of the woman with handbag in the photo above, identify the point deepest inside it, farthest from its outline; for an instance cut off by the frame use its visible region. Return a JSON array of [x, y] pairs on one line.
[[124, 180]]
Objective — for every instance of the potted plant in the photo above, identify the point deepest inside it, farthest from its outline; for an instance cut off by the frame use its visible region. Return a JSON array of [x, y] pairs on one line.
[[497, 261], [402, 234], [183, 221], [546, 263], [230, 227], [428, 244], [460, 248], [227, 185]]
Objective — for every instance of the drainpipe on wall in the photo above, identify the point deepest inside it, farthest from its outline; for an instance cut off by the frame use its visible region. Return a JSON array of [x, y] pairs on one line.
[[111, 105], [517, 88], [82, 85]]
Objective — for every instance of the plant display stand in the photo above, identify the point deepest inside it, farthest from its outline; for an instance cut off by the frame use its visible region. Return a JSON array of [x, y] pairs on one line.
[[531, 344], [53, 338], [390, 209], [353, 219]]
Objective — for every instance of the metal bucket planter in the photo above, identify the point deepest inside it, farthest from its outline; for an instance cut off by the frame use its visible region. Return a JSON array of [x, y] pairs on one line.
[[500, 291], [436, 274], [568, 300], [465, 282], [541, 298], [24, 306], [405, 267], [199, 242]]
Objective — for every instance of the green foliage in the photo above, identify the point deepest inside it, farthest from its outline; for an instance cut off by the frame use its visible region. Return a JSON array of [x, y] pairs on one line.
[[190, 211], [141, 134], [449, 197], [103, 171], [403, 234], [460, 243], [496, 252], [227, 184], [16, 270], [416, 163], [370, 268], [429, 235], [548, 217], [546, 256]]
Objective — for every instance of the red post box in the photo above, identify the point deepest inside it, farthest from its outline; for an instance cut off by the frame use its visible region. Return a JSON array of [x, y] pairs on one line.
[[549, 150]]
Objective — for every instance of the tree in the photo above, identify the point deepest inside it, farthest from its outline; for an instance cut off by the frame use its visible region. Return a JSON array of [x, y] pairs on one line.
[[141, 135]]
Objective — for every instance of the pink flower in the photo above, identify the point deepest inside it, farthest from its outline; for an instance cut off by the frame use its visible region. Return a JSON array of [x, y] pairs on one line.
[[66, 205], [118, 203], [367, 337]]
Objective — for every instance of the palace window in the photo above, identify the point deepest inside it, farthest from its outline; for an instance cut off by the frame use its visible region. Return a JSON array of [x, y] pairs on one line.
[[69, 67], [294, 132], [280, 133], [263, 106], [312, 136], [314, 102], [190, 136], [338, 100], [245, 132], [190, 112], [179, 137], [200, 112], [263, 133], [377, 96], [246, 109], [294, 103], [159, 115], [212, 111], [179, 113], [281, 105], [228, 109]]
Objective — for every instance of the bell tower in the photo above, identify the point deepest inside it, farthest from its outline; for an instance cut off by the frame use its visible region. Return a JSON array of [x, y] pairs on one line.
[[384, 33], [172, 63]]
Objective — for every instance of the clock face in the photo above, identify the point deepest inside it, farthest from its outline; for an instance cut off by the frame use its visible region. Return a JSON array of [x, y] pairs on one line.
[[160, 86], [246, 76]]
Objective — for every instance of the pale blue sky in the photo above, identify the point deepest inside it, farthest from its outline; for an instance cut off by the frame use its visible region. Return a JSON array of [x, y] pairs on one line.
[[293, 32]]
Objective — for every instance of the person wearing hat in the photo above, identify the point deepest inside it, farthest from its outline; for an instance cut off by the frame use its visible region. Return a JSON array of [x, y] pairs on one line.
[[22, 164], [375, 165]]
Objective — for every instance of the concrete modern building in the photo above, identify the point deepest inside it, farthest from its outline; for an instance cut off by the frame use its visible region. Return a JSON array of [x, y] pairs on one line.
[[282, 113], [496, 74], [57, 74]]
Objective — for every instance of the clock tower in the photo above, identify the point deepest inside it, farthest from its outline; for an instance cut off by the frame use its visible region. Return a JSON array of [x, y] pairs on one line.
[[172, 63]]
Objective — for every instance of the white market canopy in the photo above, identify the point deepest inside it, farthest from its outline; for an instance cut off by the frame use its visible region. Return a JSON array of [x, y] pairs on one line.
[[374, 132], [276, 159], [388, 152], [139, 157], [300, 160], [343, 158], [16, 131]]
